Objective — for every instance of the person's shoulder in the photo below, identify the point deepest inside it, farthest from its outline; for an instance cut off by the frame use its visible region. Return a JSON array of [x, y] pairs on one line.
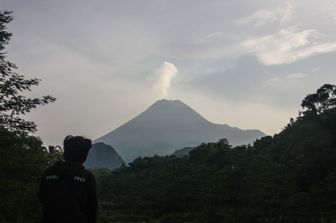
[[91, 180], [88, 174], [49, 170]]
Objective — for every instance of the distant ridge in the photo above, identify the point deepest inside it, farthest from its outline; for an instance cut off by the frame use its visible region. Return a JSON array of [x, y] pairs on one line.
[[183, 152], [103, 156], [168, 125]]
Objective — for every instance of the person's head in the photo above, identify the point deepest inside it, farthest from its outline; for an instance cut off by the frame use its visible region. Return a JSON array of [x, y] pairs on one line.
[[76, 148]]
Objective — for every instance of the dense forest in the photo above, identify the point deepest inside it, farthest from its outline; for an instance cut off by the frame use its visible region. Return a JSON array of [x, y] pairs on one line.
[[289, 177]]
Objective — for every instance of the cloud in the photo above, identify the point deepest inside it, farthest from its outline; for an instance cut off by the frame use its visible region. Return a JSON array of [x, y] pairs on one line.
[[290, 77], [288, 46], [165, 74], [121, 41], [266, 16], [211, 37]]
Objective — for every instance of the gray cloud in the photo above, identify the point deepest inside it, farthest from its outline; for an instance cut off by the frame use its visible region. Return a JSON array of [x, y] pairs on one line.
[[288, 46], [281, 15], [100, 58]]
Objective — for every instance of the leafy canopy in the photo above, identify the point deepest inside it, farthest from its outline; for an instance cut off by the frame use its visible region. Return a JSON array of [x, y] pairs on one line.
[[13, 102], [324, 99]]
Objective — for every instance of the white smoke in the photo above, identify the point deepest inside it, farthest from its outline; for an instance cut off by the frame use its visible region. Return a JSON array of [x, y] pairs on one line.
[[165, 74]]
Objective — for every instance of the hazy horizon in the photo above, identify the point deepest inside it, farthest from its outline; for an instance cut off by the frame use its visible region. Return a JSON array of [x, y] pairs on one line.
[[245, 64]]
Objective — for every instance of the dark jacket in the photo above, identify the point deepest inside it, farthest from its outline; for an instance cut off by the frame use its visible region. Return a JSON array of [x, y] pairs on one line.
[[68, 194]]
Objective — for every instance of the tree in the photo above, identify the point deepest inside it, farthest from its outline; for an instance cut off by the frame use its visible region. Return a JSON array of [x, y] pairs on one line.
[[324, 99], [13, 102], [22, 160], [22, 157]]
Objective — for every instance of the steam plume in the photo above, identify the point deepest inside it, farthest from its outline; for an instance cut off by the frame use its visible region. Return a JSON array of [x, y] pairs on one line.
[[165, 74]]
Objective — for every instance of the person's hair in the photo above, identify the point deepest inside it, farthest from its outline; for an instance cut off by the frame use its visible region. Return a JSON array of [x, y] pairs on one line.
[[76, 148]]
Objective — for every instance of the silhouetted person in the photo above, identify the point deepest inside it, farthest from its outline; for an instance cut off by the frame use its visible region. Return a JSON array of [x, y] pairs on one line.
[[68, 191]]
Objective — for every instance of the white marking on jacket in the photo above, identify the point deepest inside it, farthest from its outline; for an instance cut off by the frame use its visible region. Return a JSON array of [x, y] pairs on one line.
[[79, 179], [52, 177]]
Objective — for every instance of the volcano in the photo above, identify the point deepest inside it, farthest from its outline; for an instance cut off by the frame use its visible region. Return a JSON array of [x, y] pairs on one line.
[[168, 125]]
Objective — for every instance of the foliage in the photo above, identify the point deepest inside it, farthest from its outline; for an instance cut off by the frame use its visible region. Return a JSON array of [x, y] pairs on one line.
[[22, 160], [13, 102], [323, 100]]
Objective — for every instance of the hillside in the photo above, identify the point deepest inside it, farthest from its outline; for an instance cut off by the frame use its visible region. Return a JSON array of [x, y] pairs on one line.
[[183, 152], [103, 156], [168, 125]]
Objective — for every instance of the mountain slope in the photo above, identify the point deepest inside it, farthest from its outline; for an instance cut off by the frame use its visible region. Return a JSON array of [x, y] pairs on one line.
[[168, 125], [103, 156], [183, 152]]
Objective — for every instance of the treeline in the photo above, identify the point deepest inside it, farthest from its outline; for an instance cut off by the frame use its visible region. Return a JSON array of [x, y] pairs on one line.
[[289, 177], [22, 161]]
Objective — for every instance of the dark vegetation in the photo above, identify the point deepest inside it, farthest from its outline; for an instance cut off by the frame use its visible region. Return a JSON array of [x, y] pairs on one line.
[[289, 177]]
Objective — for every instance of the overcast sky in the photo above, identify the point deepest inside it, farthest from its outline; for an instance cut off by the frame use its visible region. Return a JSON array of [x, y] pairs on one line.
[[244, 63]]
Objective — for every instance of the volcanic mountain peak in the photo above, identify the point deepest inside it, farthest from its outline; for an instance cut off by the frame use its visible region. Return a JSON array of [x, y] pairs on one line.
[[167, 125], [165, 103], [170, 110]]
